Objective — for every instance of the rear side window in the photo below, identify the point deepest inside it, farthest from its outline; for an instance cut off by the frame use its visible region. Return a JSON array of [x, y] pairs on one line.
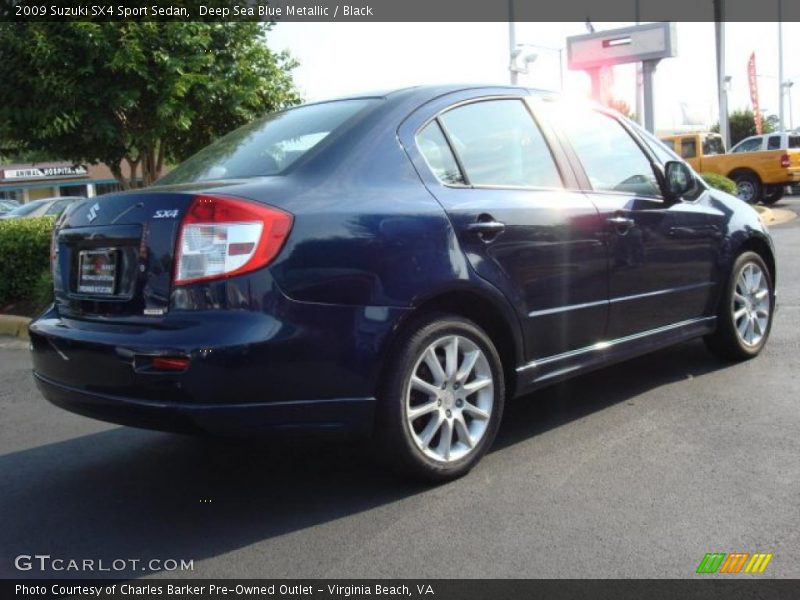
[[688, 148], [611, 158], [713, 145], [268, 146], [500, 145], [438, 155], [774, 142]]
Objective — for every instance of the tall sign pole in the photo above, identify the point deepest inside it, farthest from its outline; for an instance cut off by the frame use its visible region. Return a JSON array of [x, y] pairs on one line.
[[752, 79]]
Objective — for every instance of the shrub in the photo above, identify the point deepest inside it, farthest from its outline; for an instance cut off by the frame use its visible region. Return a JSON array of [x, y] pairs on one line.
[[24, 258], [720, 182]]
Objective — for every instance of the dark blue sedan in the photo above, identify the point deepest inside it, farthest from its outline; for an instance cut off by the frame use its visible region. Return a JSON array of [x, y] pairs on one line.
[[395, 265]]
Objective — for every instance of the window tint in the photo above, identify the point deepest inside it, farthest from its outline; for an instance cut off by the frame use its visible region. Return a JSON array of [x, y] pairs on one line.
[[437, 153], [610, 157], [749, 145], [267, 146], [688, 148], [499, 144], [774, 142]]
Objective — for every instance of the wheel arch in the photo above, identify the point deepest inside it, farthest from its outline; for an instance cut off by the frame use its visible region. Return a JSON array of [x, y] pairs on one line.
[[761, 247], [744, 171], [498, 321]]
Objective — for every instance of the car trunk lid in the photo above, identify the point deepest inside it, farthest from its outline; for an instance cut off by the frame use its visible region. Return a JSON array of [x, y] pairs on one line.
[[113, 256]]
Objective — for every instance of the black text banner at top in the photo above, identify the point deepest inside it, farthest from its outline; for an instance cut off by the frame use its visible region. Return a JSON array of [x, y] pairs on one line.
[[397, 10]]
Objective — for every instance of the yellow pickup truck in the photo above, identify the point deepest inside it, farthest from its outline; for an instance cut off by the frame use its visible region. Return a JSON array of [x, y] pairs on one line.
[[760, 176]]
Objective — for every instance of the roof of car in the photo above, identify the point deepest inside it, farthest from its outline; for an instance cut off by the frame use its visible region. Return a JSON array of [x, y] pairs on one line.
[[428, 92]]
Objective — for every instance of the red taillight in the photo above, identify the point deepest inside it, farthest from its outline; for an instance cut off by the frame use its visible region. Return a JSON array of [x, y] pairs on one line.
[[169, 363], [221, 237], [786, 161]]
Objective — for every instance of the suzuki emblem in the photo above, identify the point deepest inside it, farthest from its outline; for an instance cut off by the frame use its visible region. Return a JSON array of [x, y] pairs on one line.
[[93, 212]]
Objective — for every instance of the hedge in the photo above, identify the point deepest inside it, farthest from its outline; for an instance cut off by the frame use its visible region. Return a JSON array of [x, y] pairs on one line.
[[24, 259], [720, 182]]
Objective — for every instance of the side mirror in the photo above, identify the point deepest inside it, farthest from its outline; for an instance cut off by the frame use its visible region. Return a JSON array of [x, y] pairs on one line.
[[678, 179]]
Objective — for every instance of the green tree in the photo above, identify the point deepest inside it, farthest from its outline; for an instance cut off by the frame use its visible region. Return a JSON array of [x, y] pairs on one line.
[[142, 94], [743, 124]]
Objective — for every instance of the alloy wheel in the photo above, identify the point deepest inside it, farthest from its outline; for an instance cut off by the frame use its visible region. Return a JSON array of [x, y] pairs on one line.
[[746, 191], [449, 398], [750, 304]]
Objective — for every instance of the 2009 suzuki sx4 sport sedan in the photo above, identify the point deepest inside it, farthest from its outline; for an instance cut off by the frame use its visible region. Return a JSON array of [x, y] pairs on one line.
[[395, 265]]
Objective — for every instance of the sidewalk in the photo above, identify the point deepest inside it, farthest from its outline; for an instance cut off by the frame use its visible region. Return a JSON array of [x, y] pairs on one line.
[[14, 326]]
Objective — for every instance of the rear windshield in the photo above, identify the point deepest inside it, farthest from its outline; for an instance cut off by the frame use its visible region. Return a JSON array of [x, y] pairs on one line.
[[267, 146], [794, 141]]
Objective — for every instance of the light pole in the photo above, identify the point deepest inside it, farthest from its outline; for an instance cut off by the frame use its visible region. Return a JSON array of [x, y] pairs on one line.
[[719, 24], [787, 85], [512, 43], [560, 52], [517, 57], [780, 64]]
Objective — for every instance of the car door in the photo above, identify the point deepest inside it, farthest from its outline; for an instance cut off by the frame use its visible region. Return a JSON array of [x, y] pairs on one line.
[[661, 255], [503, 187]]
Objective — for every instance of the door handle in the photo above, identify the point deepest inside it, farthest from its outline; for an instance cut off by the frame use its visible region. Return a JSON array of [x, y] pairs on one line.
[[487, 228], [620, 221]]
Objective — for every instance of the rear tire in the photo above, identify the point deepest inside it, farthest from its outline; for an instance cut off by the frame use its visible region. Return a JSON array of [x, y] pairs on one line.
[[748, 187], [744, 317], [772, 194], [441, 400]]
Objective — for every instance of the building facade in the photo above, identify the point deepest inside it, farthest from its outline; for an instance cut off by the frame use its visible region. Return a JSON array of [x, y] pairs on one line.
[[32, 181]]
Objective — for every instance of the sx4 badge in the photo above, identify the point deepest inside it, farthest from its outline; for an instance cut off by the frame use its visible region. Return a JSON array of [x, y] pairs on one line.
[[165, 214]]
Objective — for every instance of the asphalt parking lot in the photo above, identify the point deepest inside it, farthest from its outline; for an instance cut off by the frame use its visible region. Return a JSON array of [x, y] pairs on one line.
[[634, 471]]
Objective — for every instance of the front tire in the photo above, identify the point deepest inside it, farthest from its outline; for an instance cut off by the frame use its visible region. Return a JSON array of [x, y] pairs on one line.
[[442, 399], [744, 318]]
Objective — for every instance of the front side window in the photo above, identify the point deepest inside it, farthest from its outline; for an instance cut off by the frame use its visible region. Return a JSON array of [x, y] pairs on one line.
[[669, 144], [436, 151], [499, 144], [611, 158], [749, 145]]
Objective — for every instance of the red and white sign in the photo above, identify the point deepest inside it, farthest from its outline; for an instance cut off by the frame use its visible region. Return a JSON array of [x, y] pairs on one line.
[[753, 80]]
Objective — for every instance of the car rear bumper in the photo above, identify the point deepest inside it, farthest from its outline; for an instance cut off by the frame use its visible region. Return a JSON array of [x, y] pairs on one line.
[[302, 366], [346, 416]]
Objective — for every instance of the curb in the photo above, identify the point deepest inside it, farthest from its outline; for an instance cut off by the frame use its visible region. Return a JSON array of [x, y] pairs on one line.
[[781, 215], [14, 326]]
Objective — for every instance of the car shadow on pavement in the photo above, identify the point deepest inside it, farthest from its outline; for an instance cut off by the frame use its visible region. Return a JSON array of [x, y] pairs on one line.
[[126, 493], [575, 398]]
